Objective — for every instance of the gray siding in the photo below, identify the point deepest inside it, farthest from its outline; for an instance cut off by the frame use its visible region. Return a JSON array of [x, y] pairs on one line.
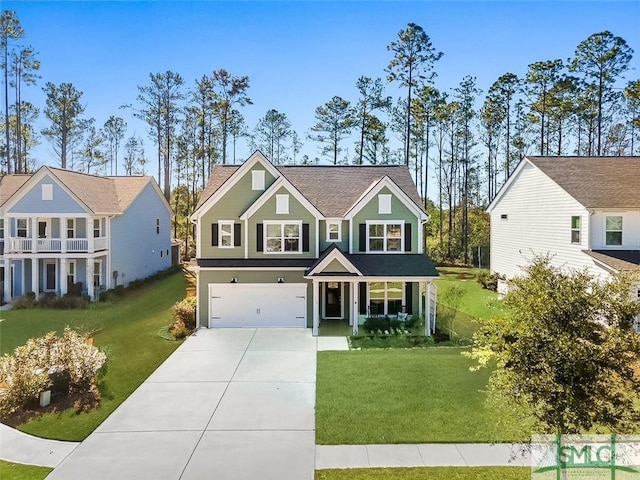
[[137, 251]]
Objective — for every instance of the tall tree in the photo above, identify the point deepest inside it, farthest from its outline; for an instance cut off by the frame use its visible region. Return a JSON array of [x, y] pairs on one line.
[[202, 107], [371, 99], [503, 94], [114, 129], [10, 29], [296, 145], [423, 108], [632, 97], [92, 149], [229, 91], [602, 59], [237, 129], [24, 66], [63, 110], [334, 121], [134, 159], [411, 65], [270, 134]]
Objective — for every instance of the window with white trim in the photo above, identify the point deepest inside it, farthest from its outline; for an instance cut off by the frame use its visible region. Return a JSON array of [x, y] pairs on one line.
[[225, 234], [97, 273], [384, 203], [385, 237], [334, 231], [613, 230], [22, 227], [386, 298], [1, 227], [47, 191], [282, 204], [257, 179], [71, 272], [283, 237], [71, 228], [96, 228], [576, 222]]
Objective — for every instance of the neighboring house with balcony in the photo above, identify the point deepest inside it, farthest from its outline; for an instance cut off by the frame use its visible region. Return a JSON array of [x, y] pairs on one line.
[[584, 211], [69, 232], [294, 245]]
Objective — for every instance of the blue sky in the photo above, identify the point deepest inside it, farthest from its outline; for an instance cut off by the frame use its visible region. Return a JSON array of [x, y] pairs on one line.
[[296, 54]]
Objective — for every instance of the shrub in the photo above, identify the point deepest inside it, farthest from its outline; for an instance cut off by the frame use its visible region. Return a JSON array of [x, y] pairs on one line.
[[69, 363], [489, 281], [185, 311], [179, 330], [391, 341], [26, 301]]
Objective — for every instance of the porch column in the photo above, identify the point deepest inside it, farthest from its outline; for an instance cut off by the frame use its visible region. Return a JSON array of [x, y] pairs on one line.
[[90, 277], [316, 306], [427, 308], [352, 293], [35, 270], [63, 237], [63, 276], [7, 280], [420, 294], [34, 235], [355, 311]]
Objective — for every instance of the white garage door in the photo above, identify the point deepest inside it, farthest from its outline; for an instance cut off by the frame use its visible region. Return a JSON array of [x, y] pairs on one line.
[[258, 305]]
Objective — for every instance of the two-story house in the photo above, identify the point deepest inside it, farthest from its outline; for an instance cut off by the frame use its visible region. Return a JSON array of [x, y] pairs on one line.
[[584, 211], [291, 245], [64, 231]]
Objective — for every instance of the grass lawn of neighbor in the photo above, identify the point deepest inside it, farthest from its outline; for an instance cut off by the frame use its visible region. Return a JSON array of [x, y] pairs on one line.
[[406, 396], [427, 473], [477, 302], [17, 471], [128, 328]]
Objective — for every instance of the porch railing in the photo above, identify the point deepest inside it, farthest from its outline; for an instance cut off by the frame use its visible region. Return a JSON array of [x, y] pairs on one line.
[[54, 245]]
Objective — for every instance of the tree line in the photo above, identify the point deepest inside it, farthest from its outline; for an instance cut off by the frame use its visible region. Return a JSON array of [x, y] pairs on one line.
[[466, 141]]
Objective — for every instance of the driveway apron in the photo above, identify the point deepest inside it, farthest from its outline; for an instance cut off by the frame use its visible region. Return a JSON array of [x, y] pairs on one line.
[[228, 404]]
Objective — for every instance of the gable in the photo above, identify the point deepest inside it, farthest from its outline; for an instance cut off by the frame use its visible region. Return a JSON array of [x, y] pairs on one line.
[[334, 267], [402, 206], [30, 198]]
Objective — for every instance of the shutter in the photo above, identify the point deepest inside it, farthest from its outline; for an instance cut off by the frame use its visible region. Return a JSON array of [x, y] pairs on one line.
[[259, 237], [214, 234], [237, 234], [407, 237], [363, 237], [408, 297], [362, 298], [305, 237]]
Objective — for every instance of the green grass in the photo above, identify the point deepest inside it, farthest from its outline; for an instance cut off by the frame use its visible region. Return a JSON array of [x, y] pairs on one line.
[[406, 396], [130, 330], [17, 471], [427, 473], [334, 328]]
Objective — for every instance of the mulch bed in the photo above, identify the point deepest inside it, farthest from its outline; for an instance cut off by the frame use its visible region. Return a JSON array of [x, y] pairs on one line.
[[59, 404]]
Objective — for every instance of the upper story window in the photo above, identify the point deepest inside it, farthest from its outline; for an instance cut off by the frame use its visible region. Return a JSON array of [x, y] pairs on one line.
[[47, 191], [575, 229], [282, 204], [283, 237], [22, 229], [613, 230], [384, 203], [257, 179], [225, 234], [1, 227], [334, 231], [71, 228], [96, 228], [384, 237]]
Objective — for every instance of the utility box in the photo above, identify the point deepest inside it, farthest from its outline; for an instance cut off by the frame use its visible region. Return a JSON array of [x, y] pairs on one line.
[[45, 398]]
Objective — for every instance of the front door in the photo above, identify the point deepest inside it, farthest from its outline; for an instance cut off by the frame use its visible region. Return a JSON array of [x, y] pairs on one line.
[[43, 229], [50, 276], [333, 300]]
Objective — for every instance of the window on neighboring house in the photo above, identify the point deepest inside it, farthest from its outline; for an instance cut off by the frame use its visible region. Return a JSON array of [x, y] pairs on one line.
[[47, 191], [97, 273], [613, 234], [504, 216], [282, 237], [334, 231], [385, 298], [157, 226], [575, 229], [71, 228], [71, 272], [257, 179], [1, 228], [22, 227], [385, 237], [225, 234], [96, 228], [282, 204], [384, 203]]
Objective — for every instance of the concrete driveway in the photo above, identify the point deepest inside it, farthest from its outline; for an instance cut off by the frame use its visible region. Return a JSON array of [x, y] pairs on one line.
[[228, 404]]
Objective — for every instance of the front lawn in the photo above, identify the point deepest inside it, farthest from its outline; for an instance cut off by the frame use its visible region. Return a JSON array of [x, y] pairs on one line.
[[406, 396], [430, 473], [129, 329], [476, 301], [17, 471]]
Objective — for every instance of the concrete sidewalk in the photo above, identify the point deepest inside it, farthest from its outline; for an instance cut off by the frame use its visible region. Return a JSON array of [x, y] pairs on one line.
[[422, 455], [19, 447]]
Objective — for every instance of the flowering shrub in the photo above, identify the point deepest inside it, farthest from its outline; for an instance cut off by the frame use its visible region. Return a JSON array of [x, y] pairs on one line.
[[70, 362], [184, 314]]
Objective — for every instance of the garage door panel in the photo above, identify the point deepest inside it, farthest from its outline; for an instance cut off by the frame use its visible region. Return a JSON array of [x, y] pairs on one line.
[[257, 305]]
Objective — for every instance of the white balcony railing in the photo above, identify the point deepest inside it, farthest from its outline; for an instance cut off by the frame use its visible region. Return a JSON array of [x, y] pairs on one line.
[[20, 244], [99, 243], [54, 245], [49, 245]]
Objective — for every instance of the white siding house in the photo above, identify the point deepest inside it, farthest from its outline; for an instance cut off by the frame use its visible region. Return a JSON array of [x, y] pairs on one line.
[[583, 211]]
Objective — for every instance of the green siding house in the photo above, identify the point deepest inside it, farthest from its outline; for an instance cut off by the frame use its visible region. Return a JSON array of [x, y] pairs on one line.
[[290, 246]]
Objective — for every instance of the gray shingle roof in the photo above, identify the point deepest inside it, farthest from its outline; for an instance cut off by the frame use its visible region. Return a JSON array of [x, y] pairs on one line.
[[9, 184], [595, 182], [619, 260], [333, 190]]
